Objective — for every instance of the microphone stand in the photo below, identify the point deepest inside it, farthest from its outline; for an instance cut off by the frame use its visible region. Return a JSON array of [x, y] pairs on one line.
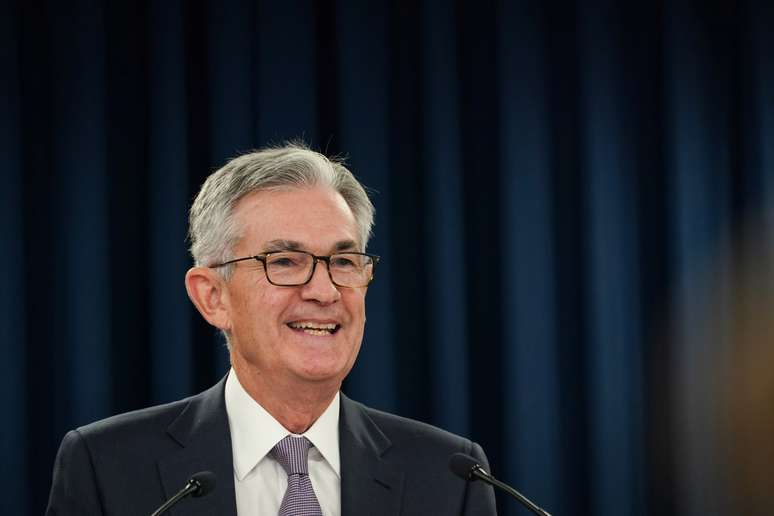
[[479, 473]]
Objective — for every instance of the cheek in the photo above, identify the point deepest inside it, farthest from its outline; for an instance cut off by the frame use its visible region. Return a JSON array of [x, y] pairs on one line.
[[356, 308], [256, 309]]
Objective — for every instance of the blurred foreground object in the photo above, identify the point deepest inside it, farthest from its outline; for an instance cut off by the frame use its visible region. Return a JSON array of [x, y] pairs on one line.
[[747, 379]]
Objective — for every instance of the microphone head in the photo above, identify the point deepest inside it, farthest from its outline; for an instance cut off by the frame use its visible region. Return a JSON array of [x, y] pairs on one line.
[[205, 482], [463, 465]]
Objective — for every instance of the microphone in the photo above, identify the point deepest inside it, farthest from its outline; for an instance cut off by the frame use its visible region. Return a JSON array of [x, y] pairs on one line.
[[467, 468], [200, 484]]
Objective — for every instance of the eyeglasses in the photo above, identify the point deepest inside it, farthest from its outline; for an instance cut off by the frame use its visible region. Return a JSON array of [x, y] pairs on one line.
[[295, 268]]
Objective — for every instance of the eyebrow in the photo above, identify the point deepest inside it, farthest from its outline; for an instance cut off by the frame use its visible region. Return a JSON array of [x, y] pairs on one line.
[[281, 245], [272, 246]]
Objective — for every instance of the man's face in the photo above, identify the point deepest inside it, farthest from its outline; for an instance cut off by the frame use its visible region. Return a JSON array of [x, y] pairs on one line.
[[265, 319]]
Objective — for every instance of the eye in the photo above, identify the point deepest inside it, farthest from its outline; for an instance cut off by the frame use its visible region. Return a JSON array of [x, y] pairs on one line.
[[281, 262], [285, 260], [343, 261]]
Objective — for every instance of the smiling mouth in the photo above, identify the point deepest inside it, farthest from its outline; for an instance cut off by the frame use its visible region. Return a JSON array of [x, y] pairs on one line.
[[316, 329]]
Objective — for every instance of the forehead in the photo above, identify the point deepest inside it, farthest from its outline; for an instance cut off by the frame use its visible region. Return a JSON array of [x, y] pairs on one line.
[[317, 218]]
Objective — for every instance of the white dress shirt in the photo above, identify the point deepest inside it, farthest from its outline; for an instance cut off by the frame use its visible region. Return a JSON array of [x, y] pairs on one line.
[[259, 480]]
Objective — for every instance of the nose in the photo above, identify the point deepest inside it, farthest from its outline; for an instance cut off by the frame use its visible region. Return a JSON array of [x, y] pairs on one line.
[[320, 288]]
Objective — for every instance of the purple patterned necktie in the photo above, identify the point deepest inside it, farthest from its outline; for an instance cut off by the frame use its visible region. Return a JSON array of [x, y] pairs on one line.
[[299, 499]]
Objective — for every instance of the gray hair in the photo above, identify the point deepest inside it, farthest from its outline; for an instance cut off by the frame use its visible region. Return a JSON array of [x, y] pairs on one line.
[[211, 226]]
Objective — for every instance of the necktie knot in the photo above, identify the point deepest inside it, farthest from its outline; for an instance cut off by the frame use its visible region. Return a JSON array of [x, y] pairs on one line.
[[292, 452]]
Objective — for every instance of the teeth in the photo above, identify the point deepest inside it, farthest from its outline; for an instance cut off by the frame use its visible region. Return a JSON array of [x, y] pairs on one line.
[[313, 328], [318, 333]]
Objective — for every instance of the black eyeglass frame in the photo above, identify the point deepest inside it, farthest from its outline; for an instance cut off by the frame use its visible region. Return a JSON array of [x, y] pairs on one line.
[[315, 259]]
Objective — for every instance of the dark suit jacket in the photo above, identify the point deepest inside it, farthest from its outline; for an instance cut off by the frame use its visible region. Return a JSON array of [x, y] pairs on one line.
[[131, 463]]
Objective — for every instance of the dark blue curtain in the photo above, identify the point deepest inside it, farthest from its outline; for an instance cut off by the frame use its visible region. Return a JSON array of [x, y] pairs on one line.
[[547, 176]]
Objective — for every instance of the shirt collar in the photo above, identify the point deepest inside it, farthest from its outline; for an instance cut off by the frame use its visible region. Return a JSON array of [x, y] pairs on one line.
[[254, 431]]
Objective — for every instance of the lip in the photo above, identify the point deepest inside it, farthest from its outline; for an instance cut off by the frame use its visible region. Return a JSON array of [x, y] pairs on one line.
[[313, 321]]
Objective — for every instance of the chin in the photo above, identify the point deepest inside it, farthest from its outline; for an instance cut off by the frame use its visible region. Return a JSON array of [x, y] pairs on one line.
[[320, 373]]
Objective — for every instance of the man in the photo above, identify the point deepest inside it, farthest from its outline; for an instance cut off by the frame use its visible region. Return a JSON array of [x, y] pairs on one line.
[[278, 239]]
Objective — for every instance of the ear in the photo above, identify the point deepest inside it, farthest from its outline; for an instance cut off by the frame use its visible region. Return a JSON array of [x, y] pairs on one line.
[[208, 293]]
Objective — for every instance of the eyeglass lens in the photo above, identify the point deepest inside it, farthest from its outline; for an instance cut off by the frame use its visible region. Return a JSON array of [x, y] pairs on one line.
[[295, 268]]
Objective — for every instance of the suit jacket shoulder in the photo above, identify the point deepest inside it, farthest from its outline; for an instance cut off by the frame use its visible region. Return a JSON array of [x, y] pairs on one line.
[[131, 463], [393, 465]]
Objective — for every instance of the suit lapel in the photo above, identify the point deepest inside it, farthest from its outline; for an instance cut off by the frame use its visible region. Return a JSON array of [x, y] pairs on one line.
[[368, 484], [202, 431]]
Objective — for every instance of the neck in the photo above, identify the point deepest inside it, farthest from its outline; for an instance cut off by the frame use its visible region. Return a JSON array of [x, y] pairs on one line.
[[296, 405]]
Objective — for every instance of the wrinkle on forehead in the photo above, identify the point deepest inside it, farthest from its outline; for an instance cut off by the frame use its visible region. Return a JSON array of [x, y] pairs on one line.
[[291, 245], [299, 223]]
